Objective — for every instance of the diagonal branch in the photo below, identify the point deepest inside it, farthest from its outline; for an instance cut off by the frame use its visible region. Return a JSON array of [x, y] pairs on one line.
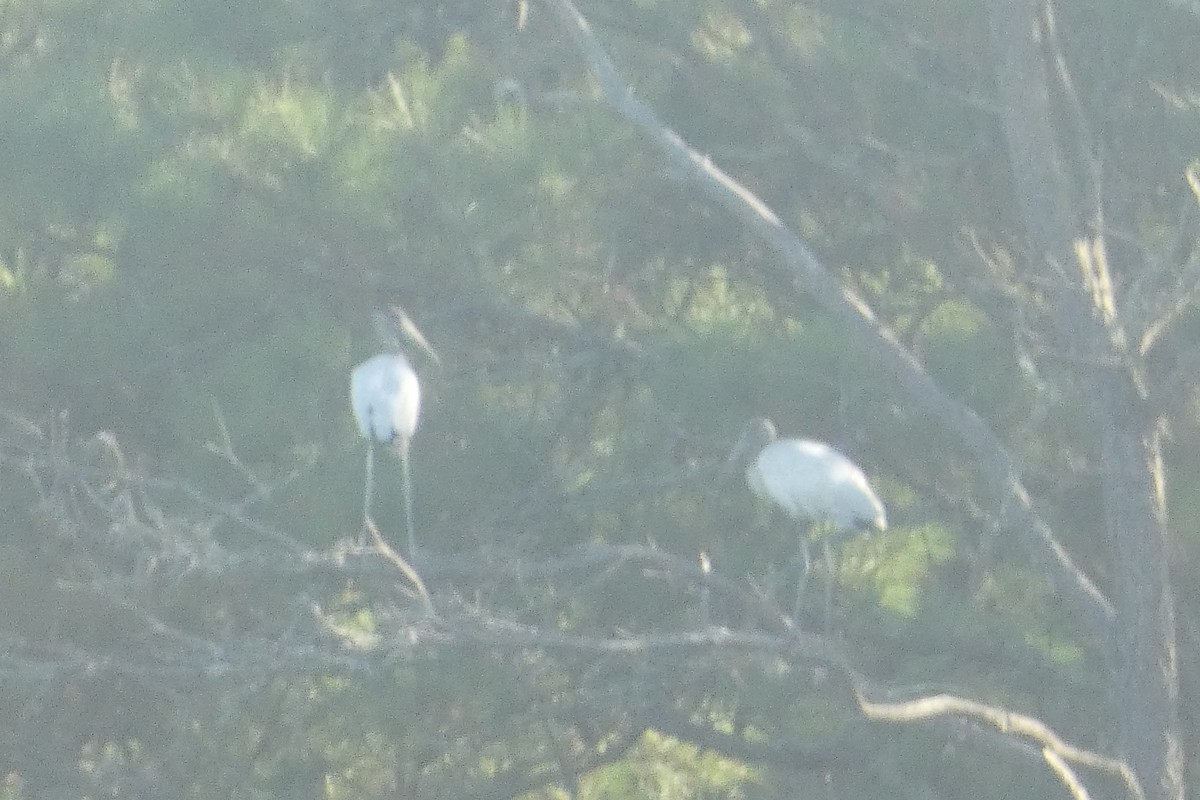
[[857, 318]]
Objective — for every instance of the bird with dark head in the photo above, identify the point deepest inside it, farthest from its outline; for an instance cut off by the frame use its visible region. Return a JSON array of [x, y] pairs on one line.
[[385, 397], [810, 482]]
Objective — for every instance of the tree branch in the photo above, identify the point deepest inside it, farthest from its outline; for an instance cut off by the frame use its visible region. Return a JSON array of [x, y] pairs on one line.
[[1054, 749]]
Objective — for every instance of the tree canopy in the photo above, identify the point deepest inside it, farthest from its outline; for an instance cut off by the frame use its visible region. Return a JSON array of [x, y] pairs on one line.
[[625, 238]]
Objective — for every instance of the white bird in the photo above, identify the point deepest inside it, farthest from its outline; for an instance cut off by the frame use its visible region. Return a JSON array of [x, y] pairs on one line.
[[809, 481], [385, 396]]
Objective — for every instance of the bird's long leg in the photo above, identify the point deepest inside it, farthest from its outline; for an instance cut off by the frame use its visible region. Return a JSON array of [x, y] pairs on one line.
[[408, 515], [705, 569], [830, 578], [802, 578], [368, 489]]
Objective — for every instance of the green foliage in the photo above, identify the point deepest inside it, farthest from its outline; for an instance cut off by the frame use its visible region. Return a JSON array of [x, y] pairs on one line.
[[907, 560], [662, 768], [202, 201]]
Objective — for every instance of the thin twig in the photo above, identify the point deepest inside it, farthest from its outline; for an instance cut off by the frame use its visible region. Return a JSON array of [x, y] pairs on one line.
[[405, 568]]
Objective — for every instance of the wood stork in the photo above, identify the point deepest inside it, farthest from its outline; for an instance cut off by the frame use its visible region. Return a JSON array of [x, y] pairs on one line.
[[385, 397], [809, 481]]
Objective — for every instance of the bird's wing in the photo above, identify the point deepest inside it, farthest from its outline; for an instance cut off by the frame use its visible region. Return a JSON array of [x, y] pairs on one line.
[[407, 408], [385, 398], [791, 478], [363, 392], [858, 505], [811, 480]]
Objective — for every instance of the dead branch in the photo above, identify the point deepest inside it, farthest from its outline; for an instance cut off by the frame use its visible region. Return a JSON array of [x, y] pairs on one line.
[[1055, 750]]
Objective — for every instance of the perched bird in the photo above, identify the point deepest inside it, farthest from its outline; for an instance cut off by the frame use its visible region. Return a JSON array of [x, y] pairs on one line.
[[385, 397], [812, 482]]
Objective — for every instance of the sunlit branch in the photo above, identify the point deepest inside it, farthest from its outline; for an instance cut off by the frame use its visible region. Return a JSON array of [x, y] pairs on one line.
[[402, 566], [1055, 750]]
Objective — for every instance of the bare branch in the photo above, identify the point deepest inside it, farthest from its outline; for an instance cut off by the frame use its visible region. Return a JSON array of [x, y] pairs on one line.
[[401, 565], [1055, 750], [1067, 775]]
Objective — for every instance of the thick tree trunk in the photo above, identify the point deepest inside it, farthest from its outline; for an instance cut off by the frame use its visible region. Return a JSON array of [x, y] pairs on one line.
[[1143, 645], [1141, 641]]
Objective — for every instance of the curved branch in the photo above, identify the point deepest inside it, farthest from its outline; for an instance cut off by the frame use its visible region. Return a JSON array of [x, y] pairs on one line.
[[1055, 750], [1067, 775], [997, 464], [402, 566]]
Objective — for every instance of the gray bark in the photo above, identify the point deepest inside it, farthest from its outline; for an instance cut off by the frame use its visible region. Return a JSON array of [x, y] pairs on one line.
[[1141, 643]]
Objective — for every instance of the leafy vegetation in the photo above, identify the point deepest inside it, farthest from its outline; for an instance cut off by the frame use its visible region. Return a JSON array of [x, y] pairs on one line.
[[203, 202]]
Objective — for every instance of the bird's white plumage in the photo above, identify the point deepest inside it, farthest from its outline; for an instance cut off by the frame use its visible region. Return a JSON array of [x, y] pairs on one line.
[[386, 399], [810, 480]]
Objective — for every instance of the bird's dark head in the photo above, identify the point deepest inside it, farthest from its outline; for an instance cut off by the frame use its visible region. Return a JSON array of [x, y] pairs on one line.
[[394, 327], [757, 434], [386, 329]]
